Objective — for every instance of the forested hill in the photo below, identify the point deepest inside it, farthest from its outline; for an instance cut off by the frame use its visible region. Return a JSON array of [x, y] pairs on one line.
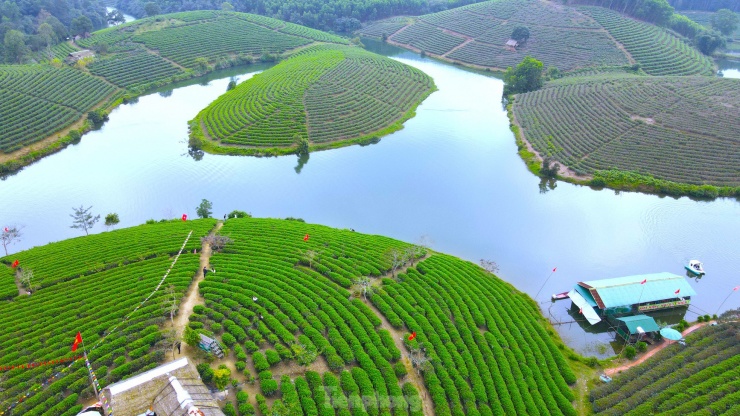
[[706, 5], [330, 15], [32, 25]]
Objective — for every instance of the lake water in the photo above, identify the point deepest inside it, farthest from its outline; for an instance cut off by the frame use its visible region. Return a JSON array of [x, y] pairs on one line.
[[729, 68], [452, 173], [127, 17]]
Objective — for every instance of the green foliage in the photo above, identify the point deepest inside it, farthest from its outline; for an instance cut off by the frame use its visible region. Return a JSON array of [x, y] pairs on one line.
[[111, 219], [204, 209], [222, 377], [707, 42], [239, 214], [725, 20], [660, 150], [190, 337], [630, 352], [641, 346], [526, 77], [272, 357], [520, 33], [270, 112]]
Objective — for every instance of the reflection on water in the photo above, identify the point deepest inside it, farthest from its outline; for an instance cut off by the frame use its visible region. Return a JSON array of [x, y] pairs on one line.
[[729, 68], [451, 173]]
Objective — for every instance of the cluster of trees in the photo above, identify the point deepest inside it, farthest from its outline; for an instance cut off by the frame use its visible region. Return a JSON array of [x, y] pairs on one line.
[[706, 5], [661, 13], [525, 77], [331, 15], [30, 26]]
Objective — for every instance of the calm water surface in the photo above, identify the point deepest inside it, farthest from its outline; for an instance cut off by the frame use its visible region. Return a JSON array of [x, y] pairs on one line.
[[127, 17], [452, 173], [729, 68]]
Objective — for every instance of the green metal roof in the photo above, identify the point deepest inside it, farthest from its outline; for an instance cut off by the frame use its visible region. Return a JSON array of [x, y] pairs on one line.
[[643, 321], [628, 290], [586, 295]]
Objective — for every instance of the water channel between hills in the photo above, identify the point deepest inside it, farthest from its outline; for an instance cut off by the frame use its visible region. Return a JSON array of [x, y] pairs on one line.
[[452, 173]]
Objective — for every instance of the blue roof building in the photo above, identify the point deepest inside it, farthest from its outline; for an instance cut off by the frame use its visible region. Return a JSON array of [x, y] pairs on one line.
[[639, 293]]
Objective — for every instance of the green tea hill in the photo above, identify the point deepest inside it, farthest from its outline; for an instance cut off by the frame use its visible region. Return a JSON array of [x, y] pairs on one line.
[[331, 95], [44, 99], [677, 129], [563, 37], [330, 307], [701, 378]]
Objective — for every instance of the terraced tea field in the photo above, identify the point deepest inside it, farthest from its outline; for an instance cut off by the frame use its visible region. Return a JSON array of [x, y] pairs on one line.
[[680, 129], [563, 37], [89, 284], [702, 378], [488, 348], [140, 55], [328, 94], [658, 51], [39, 100]]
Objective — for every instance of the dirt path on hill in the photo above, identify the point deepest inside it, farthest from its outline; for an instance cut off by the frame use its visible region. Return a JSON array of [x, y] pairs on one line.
[[615, 370], [21, 290], [192, 298]]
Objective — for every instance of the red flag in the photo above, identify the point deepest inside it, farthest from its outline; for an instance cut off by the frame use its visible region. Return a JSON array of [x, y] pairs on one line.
[[581, 311], [6, 229], [736, 288], [676, 292], [412, 336], [643, 282], [15, 264], [184, 217], [553, 270], [305, 238], [78, 340]]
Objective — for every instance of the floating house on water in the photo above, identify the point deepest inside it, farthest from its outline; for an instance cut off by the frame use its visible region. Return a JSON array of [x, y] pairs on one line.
[[630, 294]]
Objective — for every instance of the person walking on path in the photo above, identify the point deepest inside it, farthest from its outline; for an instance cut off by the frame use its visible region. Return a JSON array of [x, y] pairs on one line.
[[205, 271], [178, 347]]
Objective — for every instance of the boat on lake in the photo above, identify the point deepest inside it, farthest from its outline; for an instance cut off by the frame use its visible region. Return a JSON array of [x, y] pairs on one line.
[[559, 296], [696, 267]]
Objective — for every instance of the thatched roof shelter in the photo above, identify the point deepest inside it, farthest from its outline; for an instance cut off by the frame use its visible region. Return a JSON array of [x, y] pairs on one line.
[[170, 389]]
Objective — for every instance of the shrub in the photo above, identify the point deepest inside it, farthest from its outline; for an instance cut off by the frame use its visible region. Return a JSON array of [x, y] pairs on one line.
[[641, 346], [222, 377], [272, 357], [399, 369], [260, 362], [229, 409], [205, 371], [630, 352]]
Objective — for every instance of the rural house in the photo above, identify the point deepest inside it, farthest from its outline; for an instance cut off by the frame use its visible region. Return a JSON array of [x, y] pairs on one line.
[[511, 45]]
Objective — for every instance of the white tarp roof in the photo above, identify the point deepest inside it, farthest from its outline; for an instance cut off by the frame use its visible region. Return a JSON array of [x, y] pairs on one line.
[[147, 376], [588, 311]]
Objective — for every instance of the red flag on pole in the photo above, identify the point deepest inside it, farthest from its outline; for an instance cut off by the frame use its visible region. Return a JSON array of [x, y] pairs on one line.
[[78, 340], [15, 264], [6, 229], [676, 292], [305, 238], [643, 282], [736, 288], [184, 217], [581, 311], [412, 336], [553, 270]]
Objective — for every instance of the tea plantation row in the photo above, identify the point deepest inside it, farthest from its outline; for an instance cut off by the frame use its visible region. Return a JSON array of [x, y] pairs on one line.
[[701, 378], [487, 346], [562, 37], [88, 285], [325, 94], [680, 129]]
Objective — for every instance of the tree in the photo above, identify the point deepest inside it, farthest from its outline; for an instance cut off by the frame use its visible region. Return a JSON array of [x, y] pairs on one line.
[[396, 258], [708, 42], [489, 265], [310, 256], [83, 219], [9, 236], [364, 283], [191, 337], [111, 220], [725, 20], [221, 377], [169, 303], [152, 9], [549, 168], [201, 64], [81, 25], [227, 7], [216, 242], [301, 145], [46, 33], [527, 76], [25, 277], [115, 17], [520, 34], [15, 47], [239, 214], [204, 209]]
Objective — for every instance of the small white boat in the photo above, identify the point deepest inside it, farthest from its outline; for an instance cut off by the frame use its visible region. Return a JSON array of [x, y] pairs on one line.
[[559, 296], [605, 378], [695, 266]]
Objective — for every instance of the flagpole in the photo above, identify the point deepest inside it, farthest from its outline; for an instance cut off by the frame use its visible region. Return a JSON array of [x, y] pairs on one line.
[[543, 285], [89, 368], [723, 302]]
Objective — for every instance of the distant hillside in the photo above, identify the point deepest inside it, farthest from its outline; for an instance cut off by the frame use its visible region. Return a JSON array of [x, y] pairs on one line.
[[130, 59], [679, 129], [701, 378], [330, 95], [563, 37]]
